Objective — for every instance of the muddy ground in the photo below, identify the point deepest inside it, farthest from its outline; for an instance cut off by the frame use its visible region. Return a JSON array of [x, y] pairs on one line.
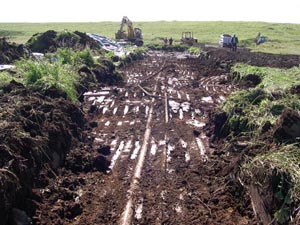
[[146, 152]]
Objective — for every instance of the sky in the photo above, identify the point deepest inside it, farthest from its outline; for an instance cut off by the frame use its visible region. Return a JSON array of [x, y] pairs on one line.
[[286, 11]]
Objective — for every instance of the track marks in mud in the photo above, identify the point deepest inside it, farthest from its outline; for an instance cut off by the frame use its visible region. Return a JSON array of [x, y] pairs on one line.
[[159, 125]]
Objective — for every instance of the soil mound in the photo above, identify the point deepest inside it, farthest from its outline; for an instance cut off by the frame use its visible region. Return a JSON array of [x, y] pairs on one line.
[[254, 58], [51, 40], [36, 133], [288, 128], [10, 52]]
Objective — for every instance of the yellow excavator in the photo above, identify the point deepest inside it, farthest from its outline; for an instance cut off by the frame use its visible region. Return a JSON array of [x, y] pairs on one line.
[[133, 35]]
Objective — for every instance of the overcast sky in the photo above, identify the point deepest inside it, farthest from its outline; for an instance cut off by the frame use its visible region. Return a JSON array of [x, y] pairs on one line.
[[287, 11]]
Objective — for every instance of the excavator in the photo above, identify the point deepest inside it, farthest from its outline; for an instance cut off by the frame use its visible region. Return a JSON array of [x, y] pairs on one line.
[[133, 35]]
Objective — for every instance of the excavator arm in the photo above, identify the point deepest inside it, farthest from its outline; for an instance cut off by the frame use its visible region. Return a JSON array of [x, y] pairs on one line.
[[128, 23], [133, 34]]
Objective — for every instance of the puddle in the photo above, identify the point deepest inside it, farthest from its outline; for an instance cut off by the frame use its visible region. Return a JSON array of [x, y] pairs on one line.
[[195, 123], [136, 150], [187, 157], [201, 148], [207, 99], [170, 148], [115, 110], [126, 109], [128, 146], [153, 147], [139, 209], [180, 114], [116, 155]]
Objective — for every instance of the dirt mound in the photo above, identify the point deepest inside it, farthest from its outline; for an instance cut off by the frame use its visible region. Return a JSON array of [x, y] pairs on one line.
[[51, 40], [36, 133], [288, 127], [254, 58], [10, 52]]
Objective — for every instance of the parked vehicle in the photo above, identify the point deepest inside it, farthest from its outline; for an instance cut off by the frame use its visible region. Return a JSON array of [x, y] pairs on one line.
[[225, 41], [188, 38]]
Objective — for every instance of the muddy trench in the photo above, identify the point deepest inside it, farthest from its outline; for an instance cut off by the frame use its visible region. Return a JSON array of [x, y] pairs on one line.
[[152, 158]]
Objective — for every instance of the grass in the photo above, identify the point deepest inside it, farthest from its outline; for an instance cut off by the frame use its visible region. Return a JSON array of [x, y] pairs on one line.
[[250, 109], [46, 74], [279, 166], [276, 168], [282, 38], [5, 78], [273, 79]]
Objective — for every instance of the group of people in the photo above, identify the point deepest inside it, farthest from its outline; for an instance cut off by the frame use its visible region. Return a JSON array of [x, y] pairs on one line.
[[170, 41]]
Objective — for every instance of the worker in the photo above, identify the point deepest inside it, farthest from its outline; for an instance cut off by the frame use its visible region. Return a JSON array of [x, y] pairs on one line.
[[234, 42], [166, 40], [170, 41], [257, 39]]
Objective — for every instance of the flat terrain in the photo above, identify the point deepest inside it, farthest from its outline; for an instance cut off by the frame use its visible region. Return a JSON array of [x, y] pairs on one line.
[[282, 38]]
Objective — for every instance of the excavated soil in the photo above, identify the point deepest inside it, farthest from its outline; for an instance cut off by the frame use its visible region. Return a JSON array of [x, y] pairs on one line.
[[51, 40], [10, 52], [160, 119]]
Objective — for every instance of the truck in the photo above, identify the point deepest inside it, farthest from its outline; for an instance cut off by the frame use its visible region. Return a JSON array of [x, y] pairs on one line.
[[225, 41]]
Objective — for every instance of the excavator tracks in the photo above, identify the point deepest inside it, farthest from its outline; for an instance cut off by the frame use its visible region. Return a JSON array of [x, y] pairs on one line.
[[161, 164]]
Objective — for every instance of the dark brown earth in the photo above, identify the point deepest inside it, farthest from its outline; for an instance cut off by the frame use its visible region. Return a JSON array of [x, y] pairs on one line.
[[51, 40], [10, 52], [68, 164]]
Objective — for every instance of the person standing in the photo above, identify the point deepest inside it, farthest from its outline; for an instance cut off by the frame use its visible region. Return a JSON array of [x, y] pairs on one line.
[[170, 41], [234, 42]]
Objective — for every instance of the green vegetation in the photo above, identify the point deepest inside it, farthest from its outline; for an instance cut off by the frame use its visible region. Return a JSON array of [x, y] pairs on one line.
[[5, 78], [251, 114], [249, 110], [282, 38], [281, 166], [68, 56], [273, 79], [194, 50], [45, 74]]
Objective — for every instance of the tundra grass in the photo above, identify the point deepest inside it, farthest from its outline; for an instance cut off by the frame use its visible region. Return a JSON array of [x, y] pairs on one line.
[[249, 112], [281, 164], [5, 78], [282, 38], [273, 79], [46, 74]]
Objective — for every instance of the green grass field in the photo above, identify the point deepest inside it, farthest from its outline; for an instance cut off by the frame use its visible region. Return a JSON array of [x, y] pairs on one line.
[[282, 38]]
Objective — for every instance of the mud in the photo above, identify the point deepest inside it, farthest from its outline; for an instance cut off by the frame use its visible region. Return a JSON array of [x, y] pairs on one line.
[[36, 133], [68, 164], [10, 52], [51, 40]]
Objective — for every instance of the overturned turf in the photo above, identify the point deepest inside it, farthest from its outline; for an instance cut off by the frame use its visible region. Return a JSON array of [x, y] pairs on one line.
[[36, 133]]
